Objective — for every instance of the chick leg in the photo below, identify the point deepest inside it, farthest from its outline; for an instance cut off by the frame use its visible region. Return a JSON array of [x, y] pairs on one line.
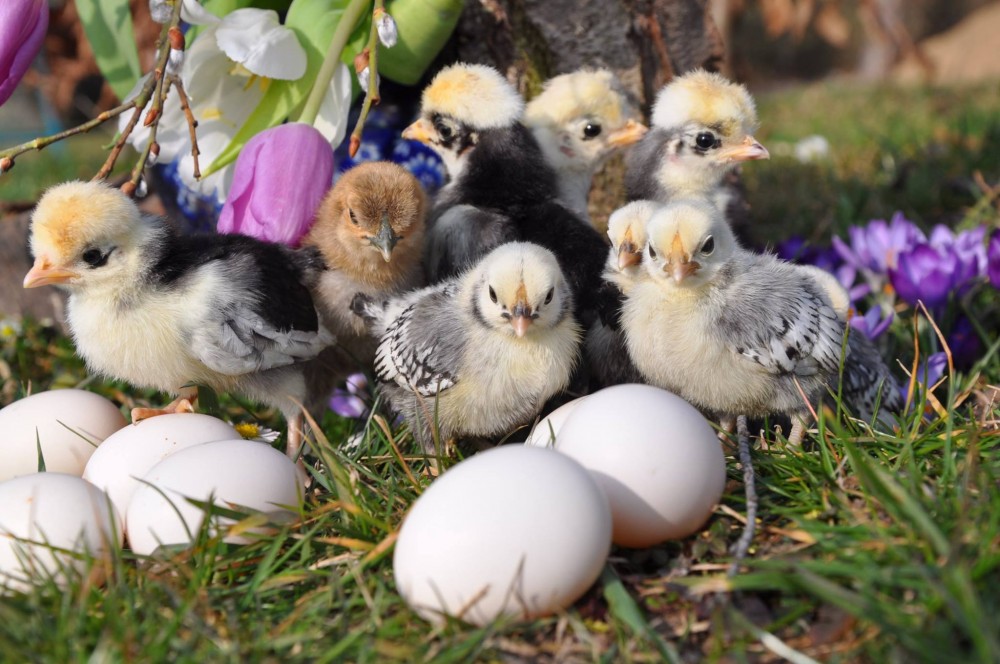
[[800, 421], [742, 545], [295, 436], [184, 403]]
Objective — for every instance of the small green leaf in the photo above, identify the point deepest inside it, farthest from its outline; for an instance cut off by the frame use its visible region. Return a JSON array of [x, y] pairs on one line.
[[108, 26], [313, 22]]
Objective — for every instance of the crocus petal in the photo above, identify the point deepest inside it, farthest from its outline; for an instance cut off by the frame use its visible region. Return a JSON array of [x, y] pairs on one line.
[[966, 346], [924, 274], [332, 118], [993, 260], [256, 39], [281, 176], [357, 383], [931, 371], [347, 405], [22, 29]]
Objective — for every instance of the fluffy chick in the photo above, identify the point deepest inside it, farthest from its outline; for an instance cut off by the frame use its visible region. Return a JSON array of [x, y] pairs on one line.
[[369, 230], [701, 127], [738, 333], [501, 190], [479, 355], [163, 311], [579, 120], [604, 346]]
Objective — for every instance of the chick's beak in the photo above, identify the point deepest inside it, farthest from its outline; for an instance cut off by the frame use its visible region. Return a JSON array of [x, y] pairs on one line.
[[386, 238], [748, 150], [679, 263], [421, 130], [627, 135], [42, 273], [628, 255], [521, 318]]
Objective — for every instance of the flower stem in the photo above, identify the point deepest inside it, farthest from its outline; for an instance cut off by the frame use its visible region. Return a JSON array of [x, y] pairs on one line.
[[352, 13], [371, 95]]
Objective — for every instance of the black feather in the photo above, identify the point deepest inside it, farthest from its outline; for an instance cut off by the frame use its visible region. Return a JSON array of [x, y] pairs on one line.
[[277, 275]]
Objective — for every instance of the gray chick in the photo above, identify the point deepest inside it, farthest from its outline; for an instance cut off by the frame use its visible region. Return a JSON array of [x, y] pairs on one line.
[[738, 333], [480, 354]]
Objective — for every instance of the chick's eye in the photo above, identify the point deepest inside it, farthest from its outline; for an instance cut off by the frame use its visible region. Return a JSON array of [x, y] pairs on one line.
[[354, 218], [705, 140], [493, 295], [444, 130], [548, 297], [709, 246], [652, 252], [591, 130], [94, 258]]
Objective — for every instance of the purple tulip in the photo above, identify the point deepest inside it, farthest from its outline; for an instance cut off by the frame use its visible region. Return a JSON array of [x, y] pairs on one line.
[[22, 28], [281, 176], [993, 259], [925, 274], [872, 324]]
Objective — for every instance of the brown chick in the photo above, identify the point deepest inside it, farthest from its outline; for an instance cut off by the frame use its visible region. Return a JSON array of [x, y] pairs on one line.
[[370, 231]]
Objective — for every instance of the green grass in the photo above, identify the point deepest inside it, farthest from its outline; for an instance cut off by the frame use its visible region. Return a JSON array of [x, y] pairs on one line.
[[891, 148], [871, 547]]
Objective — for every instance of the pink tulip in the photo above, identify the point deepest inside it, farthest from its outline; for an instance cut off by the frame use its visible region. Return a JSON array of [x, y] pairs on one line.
[[22, 28], [281, 176]]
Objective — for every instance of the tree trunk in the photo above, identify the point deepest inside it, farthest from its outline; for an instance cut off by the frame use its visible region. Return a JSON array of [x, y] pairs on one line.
[[645, 42]]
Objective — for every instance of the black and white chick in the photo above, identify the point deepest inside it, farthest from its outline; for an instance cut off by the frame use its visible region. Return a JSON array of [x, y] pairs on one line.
[[501, 189], [165, 311], [579, 120], [701, 128], [478, 355], [605, 347], [738, 333]]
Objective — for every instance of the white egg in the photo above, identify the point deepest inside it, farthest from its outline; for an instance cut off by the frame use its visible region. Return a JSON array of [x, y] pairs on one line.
[[657, 459], [64, 512], [514, 531], [130, 452], [544, 433], [238, 473], [67, 424]]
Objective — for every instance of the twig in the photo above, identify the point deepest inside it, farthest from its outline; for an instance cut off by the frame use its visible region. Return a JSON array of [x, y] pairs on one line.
[[153, 88], [750, 490], [371, 95], [154, 114], [175, 80]]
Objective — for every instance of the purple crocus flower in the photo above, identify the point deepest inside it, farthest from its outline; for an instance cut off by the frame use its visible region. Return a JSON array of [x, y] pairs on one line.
[[281, 176], [874, 249], [929, 373], [993, 259], [22, 28], [968, 250], [966, 346], [925, 274], [872, 324], [351, 402]]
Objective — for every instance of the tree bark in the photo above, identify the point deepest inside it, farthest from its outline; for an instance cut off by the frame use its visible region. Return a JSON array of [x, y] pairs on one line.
[[645, 42]]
